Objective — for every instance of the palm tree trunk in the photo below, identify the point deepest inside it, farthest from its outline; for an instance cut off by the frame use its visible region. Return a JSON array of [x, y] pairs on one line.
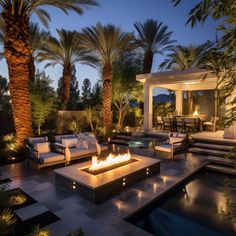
[[31, 68], [17, 54], [107, 97], [147, 62], [66, 79]]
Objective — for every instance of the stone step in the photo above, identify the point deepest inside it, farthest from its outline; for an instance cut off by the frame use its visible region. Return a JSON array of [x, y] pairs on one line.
[[221, 160], [222, 169], [206, 151], [225, 142], [213, 146]]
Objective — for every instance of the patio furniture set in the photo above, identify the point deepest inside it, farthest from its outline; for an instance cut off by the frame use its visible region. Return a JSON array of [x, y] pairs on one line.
[[65, 149], [190, 124]]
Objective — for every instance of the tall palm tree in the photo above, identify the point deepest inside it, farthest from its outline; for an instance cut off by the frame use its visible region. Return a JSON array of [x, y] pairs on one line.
[[154, 38], [105, 43], [66, 52], [185, 57], [18, 50], [37, 39]]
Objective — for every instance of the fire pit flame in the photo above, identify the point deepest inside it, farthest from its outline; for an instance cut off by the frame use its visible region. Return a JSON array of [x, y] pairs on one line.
[[109, 161]]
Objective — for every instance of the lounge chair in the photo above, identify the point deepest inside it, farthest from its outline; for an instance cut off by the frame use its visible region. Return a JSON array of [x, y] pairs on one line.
[[211, 125], [173, 145]]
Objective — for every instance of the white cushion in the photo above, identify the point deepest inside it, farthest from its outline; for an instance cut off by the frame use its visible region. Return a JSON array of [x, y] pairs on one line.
[[175, 140], [69, 142], [163, 148], [50, 157], [207, 123], [181, 135], [58, 138], [42, 147]]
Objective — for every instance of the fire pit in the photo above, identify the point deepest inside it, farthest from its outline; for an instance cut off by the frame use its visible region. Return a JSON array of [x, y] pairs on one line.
[[111, 162], [99, 179]]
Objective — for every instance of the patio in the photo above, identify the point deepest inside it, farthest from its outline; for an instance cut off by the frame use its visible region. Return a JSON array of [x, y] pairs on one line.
[[179, 81], [106, 218]]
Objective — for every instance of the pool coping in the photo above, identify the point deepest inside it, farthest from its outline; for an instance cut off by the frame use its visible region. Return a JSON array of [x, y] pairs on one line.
[[160, 194]]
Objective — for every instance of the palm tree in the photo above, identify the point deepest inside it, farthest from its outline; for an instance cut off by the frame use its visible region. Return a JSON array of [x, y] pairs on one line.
[[105, 43], [153, 38], [18, 50], [37, 39], [66, 52], [185, 57]]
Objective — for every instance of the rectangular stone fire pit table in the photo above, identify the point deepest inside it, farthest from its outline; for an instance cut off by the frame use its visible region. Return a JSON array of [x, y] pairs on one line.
[[101, 186]]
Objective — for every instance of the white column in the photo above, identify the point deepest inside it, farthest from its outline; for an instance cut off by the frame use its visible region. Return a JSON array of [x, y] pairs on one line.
[[230, 132], [179, 102], [147, 106]]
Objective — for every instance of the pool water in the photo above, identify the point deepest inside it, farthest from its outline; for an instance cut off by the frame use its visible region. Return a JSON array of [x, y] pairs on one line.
[[199, 207]]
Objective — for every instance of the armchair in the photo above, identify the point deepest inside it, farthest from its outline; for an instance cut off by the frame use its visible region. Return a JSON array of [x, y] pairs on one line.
[[159, 122], [211, 125], [167, 123], [172, 145]]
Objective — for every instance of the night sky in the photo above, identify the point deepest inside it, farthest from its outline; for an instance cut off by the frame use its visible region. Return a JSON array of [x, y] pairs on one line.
[[124, 13]]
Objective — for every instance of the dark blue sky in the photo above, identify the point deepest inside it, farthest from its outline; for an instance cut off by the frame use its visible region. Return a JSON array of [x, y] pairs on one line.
[[125, 13]]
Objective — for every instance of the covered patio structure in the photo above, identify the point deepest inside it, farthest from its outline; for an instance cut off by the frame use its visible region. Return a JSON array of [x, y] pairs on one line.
[[178, 81]]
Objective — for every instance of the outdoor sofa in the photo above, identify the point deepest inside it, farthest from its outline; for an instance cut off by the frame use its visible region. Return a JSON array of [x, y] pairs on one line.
[[65, 149], [79, 146]]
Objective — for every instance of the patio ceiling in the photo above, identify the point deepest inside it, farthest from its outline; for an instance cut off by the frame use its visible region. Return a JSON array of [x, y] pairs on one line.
[[191, 79]]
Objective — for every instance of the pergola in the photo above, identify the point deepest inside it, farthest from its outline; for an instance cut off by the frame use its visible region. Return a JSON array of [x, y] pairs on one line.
[[178, 81]]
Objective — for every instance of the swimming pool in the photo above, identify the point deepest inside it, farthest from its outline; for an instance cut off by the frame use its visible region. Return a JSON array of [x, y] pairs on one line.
[[198, 207]]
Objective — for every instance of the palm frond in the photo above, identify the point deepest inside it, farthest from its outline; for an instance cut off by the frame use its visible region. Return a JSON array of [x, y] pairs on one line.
[[105, 43], [154, 36], [27, 7], [64, 51], [37, 36], [185, 57]]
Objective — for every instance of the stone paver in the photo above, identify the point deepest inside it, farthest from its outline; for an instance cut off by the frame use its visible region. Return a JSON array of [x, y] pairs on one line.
[[106, 218], [30, 211]]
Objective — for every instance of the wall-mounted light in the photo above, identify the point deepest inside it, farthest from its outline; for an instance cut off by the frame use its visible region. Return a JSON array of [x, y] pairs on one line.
[[74, 185], [147, 171]]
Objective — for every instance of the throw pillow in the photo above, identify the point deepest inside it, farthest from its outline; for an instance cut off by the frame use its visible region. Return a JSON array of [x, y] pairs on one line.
[[85, 145], [175, 139], [69, 142], [42, 147]]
